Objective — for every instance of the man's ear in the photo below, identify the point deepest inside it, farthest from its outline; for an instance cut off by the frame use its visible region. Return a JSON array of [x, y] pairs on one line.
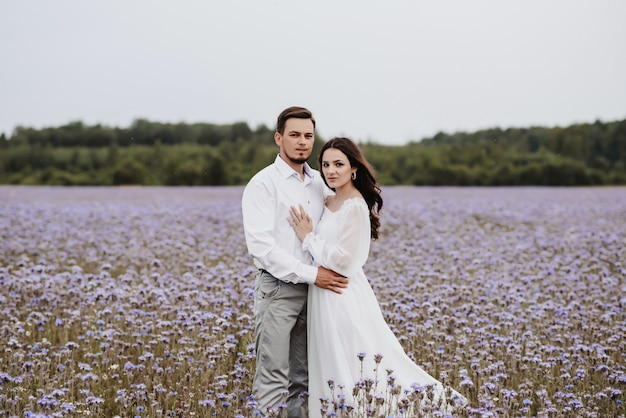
[[277, 138]]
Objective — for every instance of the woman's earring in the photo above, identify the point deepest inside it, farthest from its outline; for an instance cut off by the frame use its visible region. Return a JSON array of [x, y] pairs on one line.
[[354, 175]]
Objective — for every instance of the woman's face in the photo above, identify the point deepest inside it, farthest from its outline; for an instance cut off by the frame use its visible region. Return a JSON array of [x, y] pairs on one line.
[[336, 168]]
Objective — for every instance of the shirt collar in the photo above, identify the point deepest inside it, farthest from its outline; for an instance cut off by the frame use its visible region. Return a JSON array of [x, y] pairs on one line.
[[286, 171]]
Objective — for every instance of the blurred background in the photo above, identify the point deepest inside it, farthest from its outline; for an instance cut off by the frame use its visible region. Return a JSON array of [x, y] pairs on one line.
[[438, 93]]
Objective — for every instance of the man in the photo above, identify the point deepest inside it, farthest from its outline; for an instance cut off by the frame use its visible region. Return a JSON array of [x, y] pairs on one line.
[[285, 271]]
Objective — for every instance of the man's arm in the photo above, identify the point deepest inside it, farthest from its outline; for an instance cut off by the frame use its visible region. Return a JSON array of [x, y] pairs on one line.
[[328, 279], [259, 217]]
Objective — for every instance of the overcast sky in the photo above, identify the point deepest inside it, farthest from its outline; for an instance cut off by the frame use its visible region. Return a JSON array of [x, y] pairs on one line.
[[386, 71]]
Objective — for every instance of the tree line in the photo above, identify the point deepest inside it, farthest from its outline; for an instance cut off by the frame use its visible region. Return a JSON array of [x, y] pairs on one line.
[[204, 154]]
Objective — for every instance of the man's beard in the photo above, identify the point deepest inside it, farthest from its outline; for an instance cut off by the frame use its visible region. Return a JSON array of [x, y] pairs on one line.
[[297, 160]]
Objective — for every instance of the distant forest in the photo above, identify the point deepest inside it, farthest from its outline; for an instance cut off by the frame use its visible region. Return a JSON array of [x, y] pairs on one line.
[[205, 154]]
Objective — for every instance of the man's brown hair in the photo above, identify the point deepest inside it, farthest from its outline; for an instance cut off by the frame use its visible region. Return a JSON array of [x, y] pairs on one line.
[[292, 112]]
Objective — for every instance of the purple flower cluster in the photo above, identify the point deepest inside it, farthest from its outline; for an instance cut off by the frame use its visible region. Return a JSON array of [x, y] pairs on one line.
[[138, 301]]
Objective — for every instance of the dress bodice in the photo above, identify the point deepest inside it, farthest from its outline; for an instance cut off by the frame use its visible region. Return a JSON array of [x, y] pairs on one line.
[[342, 239]]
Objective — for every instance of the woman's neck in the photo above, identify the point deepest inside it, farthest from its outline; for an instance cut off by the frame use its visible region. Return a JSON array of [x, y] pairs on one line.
[[348, 191]]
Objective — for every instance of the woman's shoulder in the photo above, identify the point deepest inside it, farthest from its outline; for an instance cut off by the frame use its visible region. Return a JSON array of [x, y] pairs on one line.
[[353, 202], [347, 205]]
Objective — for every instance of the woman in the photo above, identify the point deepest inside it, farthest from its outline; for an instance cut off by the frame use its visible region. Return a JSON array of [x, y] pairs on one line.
[[351, 325]]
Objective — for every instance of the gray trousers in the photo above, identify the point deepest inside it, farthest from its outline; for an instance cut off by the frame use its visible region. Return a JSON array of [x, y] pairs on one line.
[[281, 345]]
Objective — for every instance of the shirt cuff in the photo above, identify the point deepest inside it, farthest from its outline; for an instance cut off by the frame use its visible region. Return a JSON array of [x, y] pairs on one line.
[[307, 273]]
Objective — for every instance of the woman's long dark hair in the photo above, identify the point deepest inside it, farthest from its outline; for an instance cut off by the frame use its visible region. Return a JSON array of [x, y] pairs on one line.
[[365, 181]]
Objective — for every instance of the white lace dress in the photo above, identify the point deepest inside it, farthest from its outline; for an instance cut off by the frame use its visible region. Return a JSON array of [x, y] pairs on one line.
[[342, 326]]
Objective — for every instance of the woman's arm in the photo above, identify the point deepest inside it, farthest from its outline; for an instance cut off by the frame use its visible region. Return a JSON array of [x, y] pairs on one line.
[[352, 249]]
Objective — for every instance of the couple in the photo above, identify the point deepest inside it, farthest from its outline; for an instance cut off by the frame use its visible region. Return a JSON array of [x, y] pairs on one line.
[[303, 229]]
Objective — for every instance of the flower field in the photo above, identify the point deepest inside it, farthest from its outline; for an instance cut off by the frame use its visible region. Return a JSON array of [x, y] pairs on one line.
[[137, 302]]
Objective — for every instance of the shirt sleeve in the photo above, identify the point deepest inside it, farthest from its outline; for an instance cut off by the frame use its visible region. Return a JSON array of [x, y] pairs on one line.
[[259, 218], [351, 251]]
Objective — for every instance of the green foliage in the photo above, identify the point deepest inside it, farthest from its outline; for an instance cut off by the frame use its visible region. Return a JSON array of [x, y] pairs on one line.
[[128, 172], [204, 154]]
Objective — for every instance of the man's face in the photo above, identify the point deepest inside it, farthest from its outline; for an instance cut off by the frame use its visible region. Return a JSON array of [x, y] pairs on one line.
[[296, 142]]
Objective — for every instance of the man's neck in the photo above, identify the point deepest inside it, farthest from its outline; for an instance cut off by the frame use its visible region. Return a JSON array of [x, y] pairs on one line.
[[298, 168]]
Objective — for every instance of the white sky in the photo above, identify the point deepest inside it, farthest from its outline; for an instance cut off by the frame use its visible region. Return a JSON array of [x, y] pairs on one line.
[[387, 71]]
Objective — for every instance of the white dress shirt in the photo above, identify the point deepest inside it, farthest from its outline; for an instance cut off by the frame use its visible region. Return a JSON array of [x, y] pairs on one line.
[[266, 201]]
